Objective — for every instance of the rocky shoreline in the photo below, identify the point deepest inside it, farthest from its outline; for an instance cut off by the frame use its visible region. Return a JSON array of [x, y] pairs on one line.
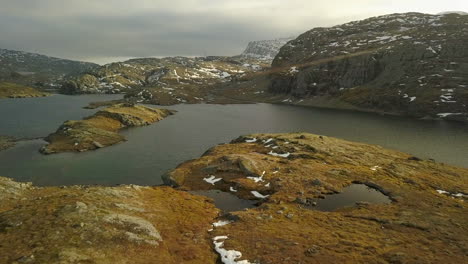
[[101, 129]]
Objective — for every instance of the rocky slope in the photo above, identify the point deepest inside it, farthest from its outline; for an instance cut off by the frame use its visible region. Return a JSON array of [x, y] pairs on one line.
[[265, 49], [36, 69], [82, 224], [163, 81], [294, 175], [12, 90], [412, 64], [101, 129]]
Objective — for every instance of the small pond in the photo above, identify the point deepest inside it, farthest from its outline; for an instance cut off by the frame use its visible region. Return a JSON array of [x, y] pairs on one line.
[[350, 196], [227, 202]]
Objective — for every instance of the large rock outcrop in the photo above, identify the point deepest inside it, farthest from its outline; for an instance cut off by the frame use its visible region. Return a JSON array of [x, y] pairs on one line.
[[101, 129], [413, 64]]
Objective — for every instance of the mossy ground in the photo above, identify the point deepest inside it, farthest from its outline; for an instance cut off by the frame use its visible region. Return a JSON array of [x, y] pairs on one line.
[[126, 224], [420, 226]]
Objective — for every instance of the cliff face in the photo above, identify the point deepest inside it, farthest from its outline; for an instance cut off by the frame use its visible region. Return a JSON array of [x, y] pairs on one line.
[[265, 49], [414, 64]]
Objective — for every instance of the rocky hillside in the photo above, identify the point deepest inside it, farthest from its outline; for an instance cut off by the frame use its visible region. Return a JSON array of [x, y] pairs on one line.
[[41, 68], [162, 81], [412, 64], [264, 49]]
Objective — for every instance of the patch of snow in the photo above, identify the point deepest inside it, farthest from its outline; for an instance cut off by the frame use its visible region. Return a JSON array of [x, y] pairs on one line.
[[285, 155], [257, 179], [232, 189], [212, 180], [253, 140], [293, 70], [448, 114], [259, 195], [453, 195], [221, 223], [227, 256]]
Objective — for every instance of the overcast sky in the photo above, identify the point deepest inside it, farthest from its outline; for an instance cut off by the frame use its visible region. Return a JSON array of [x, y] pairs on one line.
[[110, 30]]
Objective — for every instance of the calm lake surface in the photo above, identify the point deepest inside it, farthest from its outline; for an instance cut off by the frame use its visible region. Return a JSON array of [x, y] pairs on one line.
[[151, 151]]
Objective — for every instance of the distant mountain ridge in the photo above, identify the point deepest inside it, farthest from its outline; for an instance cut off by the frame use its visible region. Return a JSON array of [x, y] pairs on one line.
[[31, 63], [265, 49], [453, 12]]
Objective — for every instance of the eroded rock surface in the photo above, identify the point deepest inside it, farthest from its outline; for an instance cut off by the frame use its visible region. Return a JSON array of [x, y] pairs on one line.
[[125, 224], [101, 129], [424, 223]]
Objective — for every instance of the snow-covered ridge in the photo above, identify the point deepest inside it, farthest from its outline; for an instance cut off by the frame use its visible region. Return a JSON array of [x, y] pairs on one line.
[[265, 49]]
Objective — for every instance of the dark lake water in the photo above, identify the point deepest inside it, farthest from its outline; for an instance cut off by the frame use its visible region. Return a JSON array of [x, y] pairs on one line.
[[350, 196], [227, 202], [153, 150]]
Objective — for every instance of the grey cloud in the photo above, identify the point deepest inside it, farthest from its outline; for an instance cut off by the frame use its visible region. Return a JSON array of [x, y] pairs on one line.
[[87, 29]]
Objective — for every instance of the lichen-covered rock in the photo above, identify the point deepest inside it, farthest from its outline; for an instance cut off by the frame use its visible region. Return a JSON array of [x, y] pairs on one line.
[[424, 221], [101, 129], [125, 224], [413, 64]]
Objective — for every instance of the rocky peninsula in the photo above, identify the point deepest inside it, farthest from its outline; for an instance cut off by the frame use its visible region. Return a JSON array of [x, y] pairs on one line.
[[13, 90], [101, 129]]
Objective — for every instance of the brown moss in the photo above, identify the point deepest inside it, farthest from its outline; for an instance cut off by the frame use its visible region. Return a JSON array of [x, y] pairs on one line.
[[420, 226], [103, 225]]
